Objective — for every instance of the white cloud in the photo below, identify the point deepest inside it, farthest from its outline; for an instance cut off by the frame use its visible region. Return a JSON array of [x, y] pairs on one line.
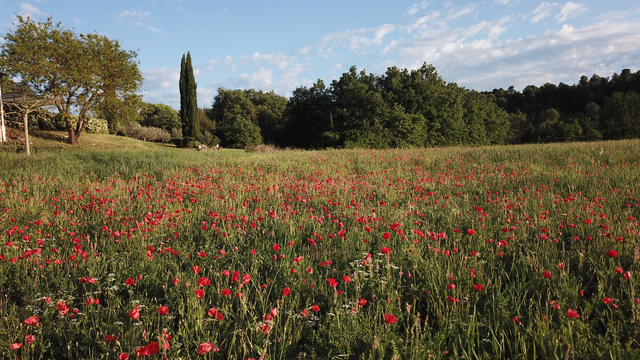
[[135, 16], [455, 13], [355, 40], [570, 10], [156, 30], [29, 10], [544, 10], [415, 8], [77, 21], [554, 56], [263, 78], [431, 18], [505, 2]]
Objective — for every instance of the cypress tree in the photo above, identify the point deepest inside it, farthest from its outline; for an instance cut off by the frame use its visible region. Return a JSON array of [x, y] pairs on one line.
[[188, 99], [183, 99]]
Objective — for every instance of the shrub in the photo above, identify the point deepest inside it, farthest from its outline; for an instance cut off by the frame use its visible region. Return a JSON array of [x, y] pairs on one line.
[[209, 139], [94, 126], [176, 132], [144, 133]]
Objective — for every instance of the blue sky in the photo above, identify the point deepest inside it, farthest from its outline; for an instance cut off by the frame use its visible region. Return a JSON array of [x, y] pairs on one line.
[[281, 45]]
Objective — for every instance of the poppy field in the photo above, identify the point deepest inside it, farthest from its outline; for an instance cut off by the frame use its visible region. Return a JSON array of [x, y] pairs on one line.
[[514, 252]]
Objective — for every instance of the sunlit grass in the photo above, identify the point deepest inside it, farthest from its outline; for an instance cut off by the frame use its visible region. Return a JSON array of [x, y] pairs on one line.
[[471, 231]]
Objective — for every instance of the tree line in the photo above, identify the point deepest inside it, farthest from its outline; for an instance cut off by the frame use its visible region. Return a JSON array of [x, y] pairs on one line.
[[595, 108], [400, 108], [92, 75]]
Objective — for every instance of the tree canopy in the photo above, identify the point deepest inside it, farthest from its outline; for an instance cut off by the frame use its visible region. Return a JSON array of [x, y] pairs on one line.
[[73, 72]]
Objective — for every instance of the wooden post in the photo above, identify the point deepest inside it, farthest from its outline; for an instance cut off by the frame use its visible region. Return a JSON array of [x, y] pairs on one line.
[[25, 119], [3, 133]]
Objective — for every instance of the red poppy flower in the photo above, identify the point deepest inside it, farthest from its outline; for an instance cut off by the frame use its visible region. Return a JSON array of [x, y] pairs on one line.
[[612, 253], [572, 314], [205, 348], [346, 278], [123, 356], [478, 287], [390, 319], [214, 313], [199, 293], [15, 346], [196, 269], [226, 292], [110, 338], [29, 339], [286, 291], [31, 320], [516, 320], [386, 251], [148, 350], [315, 308], [386, 236], [471, 232], [451, 286], [134, 314], [163, 310], [276, 247], [619, 270], [175, 281], [332, 282], [607, 300], [362, 302], [546, 274], [130, 282], [203, 281]]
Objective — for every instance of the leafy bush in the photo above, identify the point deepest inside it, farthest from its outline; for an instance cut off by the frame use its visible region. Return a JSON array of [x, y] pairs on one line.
[[209, 139], [94, 126], [41, 118], [176, 132], [146, 133]]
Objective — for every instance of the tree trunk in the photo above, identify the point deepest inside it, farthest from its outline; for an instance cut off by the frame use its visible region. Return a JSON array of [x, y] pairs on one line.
[[72, 134], [25, 119]]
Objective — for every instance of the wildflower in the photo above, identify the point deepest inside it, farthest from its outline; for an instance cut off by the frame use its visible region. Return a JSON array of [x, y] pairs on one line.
[[572, 314], [390, 319]]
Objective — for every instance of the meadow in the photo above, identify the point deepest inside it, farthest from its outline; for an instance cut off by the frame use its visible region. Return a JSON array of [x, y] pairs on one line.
[[516, 252]]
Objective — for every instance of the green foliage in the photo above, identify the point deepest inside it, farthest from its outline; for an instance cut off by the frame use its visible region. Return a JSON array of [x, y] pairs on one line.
[[160, 116], [256, 115], [189, 112], [68, 70], [239, 132], [398, 109], [621, 116], [581, 109], [145, 133], [92, 125], [209, 139]]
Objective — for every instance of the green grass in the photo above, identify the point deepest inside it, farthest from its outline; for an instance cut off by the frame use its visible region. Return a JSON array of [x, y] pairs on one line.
[[151, 213]]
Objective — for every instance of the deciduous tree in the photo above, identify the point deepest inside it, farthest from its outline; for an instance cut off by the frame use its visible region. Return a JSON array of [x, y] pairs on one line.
[[73, 72]]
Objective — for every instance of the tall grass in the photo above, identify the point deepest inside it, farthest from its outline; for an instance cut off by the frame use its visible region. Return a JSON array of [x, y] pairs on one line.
[[477, 253]]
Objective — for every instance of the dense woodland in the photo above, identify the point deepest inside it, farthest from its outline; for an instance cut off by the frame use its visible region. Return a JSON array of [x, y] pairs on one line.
[[402, 109], [417, 108]]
